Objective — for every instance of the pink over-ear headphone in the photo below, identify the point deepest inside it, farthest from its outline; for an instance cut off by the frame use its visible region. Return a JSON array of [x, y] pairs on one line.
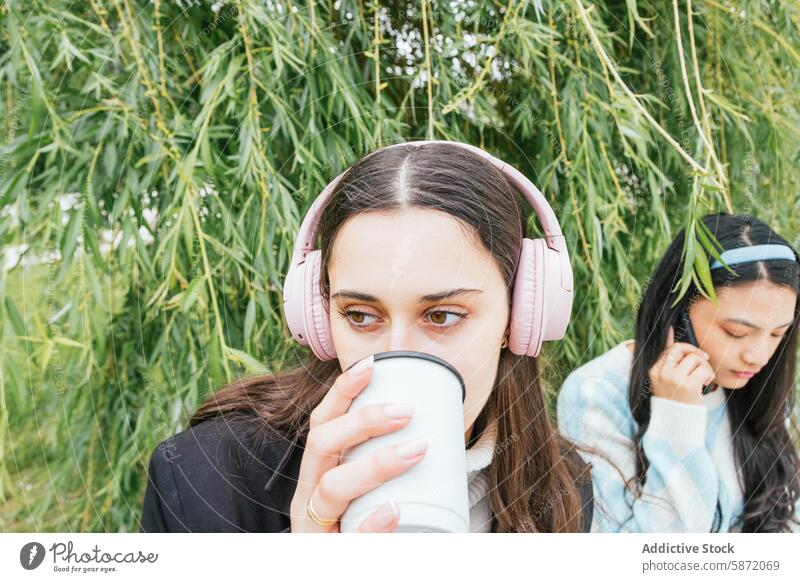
[[542, 297]]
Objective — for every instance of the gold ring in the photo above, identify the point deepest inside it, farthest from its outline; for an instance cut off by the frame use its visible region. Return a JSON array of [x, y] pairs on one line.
[[317, 519]]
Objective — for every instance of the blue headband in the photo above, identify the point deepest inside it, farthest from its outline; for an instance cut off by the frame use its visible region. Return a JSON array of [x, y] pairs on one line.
[[755, 253]]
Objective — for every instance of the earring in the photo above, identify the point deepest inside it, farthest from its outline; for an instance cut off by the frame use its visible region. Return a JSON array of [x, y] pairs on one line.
[[504, 344]]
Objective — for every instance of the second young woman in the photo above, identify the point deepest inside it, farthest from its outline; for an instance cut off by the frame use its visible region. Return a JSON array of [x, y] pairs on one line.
[[696, 438]]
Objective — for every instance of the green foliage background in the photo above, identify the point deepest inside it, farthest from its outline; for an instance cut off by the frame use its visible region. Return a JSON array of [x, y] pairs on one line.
[[157, 157]]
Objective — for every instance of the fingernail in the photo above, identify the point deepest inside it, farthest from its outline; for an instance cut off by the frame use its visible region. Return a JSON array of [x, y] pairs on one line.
[[399, 410], [363, 365], [387, 514], [412, 449]]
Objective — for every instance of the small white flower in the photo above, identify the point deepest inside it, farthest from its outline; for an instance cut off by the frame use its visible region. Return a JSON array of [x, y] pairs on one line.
[[470, 59], [497, 74], [145, 235], [150, 216], [68, 200]]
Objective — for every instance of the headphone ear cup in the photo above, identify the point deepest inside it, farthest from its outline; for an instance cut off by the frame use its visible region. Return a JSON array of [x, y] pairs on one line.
[[527, 304], [317, 317], [293, 303], [557, 300]]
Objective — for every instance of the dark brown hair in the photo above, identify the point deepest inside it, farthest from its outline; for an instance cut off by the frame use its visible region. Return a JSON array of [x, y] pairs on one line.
[[533, 474]]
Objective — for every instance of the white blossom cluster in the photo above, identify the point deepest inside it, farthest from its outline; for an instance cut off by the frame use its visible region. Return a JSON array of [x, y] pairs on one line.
[[207, 190], [466, 55], [629, 182], [274, 7]]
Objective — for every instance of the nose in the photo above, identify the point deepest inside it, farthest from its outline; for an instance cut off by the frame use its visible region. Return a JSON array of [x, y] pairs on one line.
[[757, 353], [402, 336]]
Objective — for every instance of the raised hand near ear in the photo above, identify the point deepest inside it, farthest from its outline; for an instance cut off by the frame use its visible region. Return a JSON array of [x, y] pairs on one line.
[[680, 372]]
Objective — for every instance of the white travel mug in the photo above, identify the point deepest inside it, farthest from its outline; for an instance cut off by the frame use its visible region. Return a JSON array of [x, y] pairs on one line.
[[431, 496]]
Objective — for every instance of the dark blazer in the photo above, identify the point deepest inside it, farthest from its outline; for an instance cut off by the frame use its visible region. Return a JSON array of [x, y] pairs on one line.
[[225, 475]]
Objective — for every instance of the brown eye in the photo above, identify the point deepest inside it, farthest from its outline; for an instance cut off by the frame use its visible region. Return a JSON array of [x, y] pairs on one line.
[[352, 316], [439, 317], [439, 322]]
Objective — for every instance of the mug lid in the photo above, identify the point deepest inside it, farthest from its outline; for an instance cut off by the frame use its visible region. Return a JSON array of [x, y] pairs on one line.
[[423, 356]]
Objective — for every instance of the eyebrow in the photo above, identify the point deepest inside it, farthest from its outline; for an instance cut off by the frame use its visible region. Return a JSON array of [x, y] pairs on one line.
[[422, 299], [748, 324]]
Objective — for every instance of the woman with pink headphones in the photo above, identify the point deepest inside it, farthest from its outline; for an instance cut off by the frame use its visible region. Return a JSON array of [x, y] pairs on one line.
[[421, 247]]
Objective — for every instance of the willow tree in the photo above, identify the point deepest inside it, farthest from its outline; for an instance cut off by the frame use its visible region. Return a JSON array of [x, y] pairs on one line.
[[157, 158]]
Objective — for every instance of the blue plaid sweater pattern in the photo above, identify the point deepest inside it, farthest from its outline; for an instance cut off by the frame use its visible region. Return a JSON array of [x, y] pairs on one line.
[[691, 485]]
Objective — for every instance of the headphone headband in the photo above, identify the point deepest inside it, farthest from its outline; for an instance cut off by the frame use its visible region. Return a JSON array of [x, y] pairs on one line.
[[306, 236], [755, 253]]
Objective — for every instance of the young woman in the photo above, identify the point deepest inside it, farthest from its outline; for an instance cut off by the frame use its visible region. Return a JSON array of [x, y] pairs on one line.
[[421, 248], [690, 431]]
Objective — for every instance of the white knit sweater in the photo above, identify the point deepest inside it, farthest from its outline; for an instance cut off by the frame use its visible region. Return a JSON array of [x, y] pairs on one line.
[[479, 457]]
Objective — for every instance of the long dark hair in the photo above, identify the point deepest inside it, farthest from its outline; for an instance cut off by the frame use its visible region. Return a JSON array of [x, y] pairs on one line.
[[532, 477], [758, 413]]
